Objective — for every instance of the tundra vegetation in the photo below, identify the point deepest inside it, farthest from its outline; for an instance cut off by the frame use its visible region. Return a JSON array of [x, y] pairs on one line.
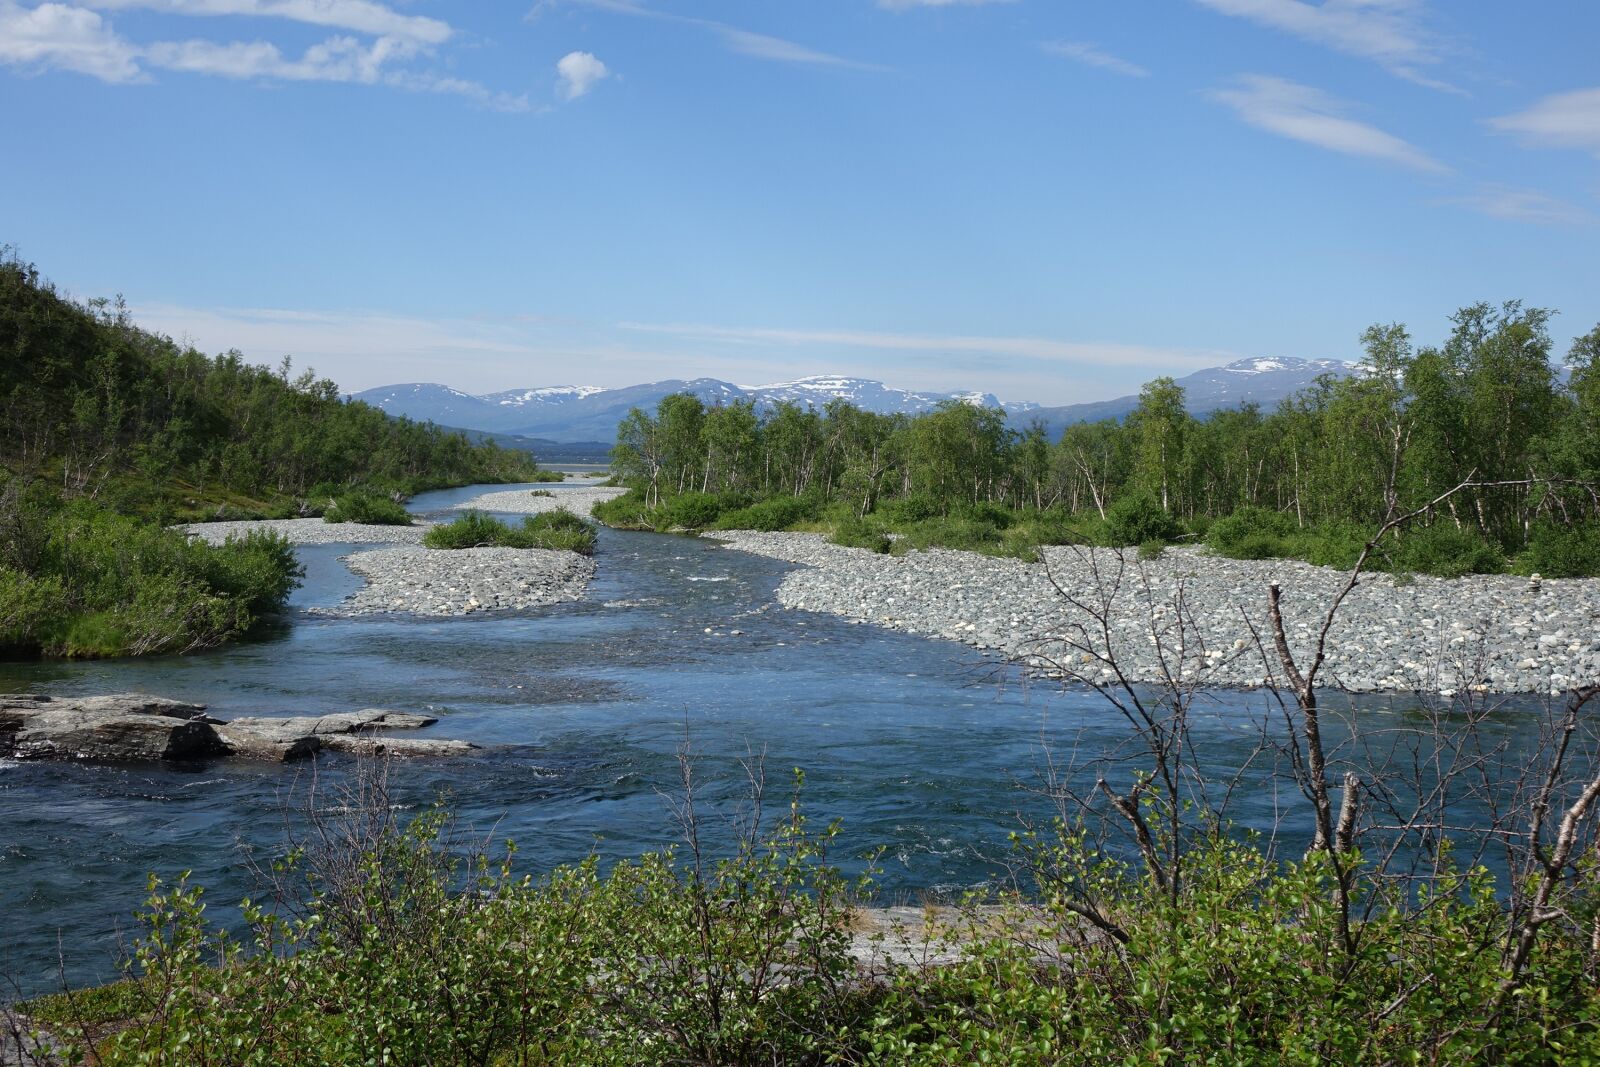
[[1311, 479], [108, 433], [559, 530]]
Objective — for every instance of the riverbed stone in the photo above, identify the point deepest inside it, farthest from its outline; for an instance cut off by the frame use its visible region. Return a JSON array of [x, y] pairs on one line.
[[1479, 633]]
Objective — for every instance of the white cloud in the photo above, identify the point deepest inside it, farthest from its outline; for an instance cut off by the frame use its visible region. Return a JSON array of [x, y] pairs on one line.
[[61, 37], [744, 42], [1030, 348], [1388, 32], [338, 59], [1302, 113], [1564, 120], [1091, 56], [1523, 205], [577, 73], [361, 16]]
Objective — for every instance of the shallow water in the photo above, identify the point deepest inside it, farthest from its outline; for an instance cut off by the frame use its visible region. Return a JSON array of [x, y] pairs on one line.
[[920, 746]]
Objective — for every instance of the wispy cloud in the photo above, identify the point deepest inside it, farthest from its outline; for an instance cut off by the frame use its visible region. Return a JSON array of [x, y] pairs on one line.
[[61, 37], [1564, 120], [1388, 32], [1523, 205], [1091, 56], [361, 16], [1042, 349], [55, 36], [1302, 113], [577, 73], [735, 39]]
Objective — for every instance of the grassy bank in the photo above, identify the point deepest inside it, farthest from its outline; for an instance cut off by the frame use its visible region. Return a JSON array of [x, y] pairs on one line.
[[898, 526]]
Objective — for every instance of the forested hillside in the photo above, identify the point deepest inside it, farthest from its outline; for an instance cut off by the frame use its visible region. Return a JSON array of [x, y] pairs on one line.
[[1312, 478], [105, 410], [108, 432]]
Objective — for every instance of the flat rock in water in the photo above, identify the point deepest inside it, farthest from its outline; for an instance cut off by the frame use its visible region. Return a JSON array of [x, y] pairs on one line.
[[134, 726]]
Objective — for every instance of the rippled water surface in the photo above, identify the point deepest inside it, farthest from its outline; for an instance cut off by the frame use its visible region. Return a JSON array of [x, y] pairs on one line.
[[581, 709]]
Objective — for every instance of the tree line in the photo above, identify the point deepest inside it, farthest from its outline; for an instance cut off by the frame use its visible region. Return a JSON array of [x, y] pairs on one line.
[[97, 405], [1488, 406]]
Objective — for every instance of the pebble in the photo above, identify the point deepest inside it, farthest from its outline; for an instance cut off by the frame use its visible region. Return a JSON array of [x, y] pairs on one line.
[[579, 501], [1482, 633], [448, 583], [309, 531]]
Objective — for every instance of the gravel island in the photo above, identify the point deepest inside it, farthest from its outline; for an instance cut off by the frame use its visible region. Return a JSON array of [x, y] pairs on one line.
[[414, 580], [1491, 633], [311, 531], [579, 501]]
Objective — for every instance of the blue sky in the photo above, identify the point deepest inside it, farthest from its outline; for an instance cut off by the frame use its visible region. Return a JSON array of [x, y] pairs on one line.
[[1050, 201]]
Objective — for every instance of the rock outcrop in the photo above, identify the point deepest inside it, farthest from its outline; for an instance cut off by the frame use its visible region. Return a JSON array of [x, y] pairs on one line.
[[133, 726]]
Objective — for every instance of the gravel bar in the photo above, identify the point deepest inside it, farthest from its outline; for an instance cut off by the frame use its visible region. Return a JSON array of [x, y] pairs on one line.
[[310, 531], [1487, 633], [443, 583], [523, 502]]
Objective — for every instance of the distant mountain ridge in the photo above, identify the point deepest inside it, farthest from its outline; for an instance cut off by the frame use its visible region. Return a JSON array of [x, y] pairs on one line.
[[590, 413]]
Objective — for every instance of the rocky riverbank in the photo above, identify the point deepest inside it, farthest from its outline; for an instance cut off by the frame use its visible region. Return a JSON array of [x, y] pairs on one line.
[[451, 582], [1492, 633], [579, 501], [310, 531], [134, 726]]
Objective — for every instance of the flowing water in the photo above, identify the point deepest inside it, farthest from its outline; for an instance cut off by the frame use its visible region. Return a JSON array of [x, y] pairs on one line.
[[923, 748]]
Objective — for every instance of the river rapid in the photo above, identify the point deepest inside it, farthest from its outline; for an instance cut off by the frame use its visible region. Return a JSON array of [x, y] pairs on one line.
[[925, 749]]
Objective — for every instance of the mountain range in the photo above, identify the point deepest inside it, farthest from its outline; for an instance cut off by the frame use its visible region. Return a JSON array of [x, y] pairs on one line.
[[572, 413]]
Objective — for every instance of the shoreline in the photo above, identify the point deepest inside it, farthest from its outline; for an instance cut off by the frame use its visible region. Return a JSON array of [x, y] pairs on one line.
[[1490, 634]]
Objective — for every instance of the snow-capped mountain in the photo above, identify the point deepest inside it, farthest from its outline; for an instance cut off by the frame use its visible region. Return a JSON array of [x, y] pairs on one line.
[[590, 413], [586, 412], [1260, 381]]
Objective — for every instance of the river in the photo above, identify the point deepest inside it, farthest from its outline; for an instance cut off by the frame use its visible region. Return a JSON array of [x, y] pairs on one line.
[[923, 748]]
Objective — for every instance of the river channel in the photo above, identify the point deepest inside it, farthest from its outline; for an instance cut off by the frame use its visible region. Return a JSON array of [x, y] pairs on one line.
[[921, 747]]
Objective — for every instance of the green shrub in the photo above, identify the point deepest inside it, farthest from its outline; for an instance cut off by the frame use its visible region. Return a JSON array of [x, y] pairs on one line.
[[558, 530], [778, 513], [1152, 550], [691, 511], [541, 492], [1336, 544], [626, 512], [909, 509], [1445, 551], [1558, 551], [367, 507], [854, 533], [1137, 518], [1253, 533]]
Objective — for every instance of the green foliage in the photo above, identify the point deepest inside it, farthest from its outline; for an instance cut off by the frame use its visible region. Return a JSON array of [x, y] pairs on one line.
[[854, 533], [1443, 550], [1137, 518], [1253, 533], [1556, 551], [367, 507], [77, 580], [104, 408], [777, 513], [559, 530], [408, 939], [1152, 550]]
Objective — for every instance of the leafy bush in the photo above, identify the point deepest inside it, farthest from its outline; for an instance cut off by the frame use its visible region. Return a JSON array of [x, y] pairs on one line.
[[1139, 517], [909, 509], [1253, 533], [854, 533], [1152, 550], [559, 530], [78, 581], [691, 511], [778, 513], [628, 511], [367, 507], [1445, 551], [1556, 551]]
